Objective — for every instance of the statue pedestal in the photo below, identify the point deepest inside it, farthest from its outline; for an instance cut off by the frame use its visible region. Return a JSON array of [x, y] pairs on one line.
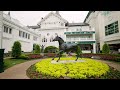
[[66, 61]]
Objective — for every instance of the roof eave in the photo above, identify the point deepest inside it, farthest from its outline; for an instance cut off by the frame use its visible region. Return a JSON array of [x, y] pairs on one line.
[[88, 15]]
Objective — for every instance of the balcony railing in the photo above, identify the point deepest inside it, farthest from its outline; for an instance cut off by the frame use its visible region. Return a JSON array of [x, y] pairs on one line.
[[82, 32], [80, 39]]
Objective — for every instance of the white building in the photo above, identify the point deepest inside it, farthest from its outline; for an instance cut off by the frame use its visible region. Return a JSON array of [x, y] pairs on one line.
[[13, 30], [82, 34], [53, 24], [44, 32], [107, 28]]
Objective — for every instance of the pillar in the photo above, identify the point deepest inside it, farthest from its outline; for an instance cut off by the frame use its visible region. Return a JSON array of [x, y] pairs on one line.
[[94, 47]]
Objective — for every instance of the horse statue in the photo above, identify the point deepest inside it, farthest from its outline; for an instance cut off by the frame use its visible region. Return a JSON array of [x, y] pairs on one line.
[[65, 47]]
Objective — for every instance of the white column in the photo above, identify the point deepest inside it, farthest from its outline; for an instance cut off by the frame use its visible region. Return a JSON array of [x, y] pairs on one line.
[[94, 47], [93, 36]]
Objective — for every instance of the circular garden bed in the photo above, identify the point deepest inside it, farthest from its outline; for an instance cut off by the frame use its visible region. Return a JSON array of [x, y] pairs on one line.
[[90, 69]]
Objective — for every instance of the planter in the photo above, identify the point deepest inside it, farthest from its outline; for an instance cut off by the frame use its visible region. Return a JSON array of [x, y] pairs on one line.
[[1, 60]]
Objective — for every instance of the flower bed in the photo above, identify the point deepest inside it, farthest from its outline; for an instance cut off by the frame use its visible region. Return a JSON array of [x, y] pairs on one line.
[[79, 70], [103, 56], [34, 56]]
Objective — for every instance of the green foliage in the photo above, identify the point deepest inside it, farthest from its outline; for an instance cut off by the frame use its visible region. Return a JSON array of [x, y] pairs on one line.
[[50, 49], [16, 49], [23, 56], [117, 59], [79, 51], [11, 62], [37, 49], [34, 47], [79, 70], [105, 49]]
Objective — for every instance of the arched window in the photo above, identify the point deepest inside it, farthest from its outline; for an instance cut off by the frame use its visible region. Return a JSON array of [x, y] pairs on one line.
[[44, 40]]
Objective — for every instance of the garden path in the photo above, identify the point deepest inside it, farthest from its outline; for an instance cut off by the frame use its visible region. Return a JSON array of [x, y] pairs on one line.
[[110, 63], [18, 71]]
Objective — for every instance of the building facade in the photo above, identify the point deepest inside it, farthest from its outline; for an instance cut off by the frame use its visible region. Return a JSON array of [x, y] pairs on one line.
[[107, 28], [53, 24], [13, 30], [44, 32], [83, 35]]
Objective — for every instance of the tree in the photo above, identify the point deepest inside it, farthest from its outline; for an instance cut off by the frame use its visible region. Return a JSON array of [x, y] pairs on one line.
[[34, 47], [105, 49], [37, 49], [16, 49]]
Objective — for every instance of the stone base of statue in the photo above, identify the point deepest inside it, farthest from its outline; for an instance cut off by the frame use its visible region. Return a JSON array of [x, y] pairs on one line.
[[66, 61]]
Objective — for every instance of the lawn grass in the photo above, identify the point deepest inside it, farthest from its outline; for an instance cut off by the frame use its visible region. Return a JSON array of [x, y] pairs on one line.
[[11, 62]]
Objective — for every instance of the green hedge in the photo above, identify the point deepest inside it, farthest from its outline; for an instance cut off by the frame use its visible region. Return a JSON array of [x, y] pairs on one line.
[[50, 49]]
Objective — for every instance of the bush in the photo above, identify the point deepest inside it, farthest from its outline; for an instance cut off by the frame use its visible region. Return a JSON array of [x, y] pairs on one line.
[[50, 49], [23, 57], [37, 49], [105, 49], [117, 59], [16, 49], [79, 51]]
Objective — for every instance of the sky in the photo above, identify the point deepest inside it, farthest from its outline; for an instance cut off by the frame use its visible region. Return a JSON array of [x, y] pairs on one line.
[[33, 17]]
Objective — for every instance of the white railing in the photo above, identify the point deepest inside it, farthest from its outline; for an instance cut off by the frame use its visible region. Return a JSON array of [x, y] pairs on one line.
[[79, 39]]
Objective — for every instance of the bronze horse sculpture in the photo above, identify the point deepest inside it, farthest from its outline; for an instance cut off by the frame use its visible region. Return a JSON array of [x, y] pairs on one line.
[[65, 47]]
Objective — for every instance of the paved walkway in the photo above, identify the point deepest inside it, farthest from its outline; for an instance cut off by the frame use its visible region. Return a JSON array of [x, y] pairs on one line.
[[113, 64], [19, 71]]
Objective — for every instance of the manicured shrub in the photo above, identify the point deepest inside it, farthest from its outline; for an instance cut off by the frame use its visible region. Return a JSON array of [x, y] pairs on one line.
[[105, 49], [23, 57], [16, 49], [37, 49], [50, 49]]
